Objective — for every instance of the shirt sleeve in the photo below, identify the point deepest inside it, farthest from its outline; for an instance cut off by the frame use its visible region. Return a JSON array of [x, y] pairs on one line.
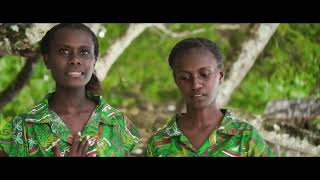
[[12, 138], [258, 147], [6, 138], [130, 134], [149, 148]]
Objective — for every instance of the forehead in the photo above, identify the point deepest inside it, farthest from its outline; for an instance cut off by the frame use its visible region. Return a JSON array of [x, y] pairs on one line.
[[72, 37], [195, 59]]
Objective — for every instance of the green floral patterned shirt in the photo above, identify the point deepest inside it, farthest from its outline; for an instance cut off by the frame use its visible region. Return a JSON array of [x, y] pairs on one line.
[[233, 138], [35, 132]]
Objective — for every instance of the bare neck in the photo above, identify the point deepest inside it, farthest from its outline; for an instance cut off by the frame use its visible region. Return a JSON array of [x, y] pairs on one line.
[[68, 100], [202, 118]]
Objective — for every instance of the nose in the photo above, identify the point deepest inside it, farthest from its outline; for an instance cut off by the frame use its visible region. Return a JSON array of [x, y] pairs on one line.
[[196, 83], [74, 60]]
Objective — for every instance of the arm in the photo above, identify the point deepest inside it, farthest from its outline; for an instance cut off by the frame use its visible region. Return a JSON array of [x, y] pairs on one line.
[[2, 153]]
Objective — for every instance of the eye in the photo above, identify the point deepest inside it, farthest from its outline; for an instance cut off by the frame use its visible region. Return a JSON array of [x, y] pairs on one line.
[[64, 51], [85, 52], [184, 77], [205, 75]]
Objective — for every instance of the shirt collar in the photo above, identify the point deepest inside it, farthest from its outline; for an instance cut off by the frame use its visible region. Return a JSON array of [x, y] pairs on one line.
[[228, 126], [41, 113], [103, 113]]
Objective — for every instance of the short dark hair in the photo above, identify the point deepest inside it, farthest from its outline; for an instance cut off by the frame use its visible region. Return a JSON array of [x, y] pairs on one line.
[[186, 44], [93, 85], [49, 36]]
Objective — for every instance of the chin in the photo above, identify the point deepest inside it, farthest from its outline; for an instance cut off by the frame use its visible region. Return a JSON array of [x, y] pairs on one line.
[[199, 106], [74, 85]]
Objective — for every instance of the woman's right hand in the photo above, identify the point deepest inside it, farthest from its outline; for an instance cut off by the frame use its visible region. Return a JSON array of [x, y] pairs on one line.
[[78, 149]]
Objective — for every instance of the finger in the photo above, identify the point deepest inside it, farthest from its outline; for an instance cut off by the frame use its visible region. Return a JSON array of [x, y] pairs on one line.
[[81, 147], [92, 153], [75, 143], [85, 149], [56, 150]]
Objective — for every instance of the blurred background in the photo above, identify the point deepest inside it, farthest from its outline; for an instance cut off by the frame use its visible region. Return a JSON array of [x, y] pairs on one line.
[[272, 76]]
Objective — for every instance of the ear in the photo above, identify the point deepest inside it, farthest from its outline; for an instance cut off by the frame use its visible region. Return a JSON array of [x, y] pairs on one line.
[[174, 77], [45, 60], [221, 78]]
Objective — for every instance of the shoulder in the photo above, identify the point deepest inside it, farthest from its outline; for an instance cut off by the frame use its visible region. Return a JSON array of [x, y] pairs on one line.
[[104, 109], [159, 135], [163, 133], [155, 140], [249, 135], [257, 145], [245, 126], [37, 113], [233, 124], [16, 123], [113, 116], [110, 114]]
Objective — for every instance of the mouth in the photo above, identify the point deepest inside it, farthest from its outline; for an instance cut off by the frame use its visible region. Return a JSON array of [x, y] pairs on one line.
[[198, 95], [74, 74]]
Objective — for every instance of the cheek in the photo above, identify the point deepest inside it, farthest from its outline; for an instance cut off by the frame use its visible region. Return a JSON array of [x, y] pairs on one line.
[[214, 86], [183, 86], [89, 70], [90, 66], [93, 63], [57, 69], [56, 63]]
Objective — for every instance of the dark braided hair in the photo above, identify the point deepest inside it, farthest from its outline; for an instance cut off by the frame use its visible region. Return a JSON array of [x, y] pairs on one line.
[[93, 85], [181, 47]]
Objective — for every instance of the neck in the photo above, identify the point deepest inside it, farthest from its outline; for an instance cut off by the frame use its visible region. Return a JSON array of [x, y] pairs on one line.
[[205, 117], [67, 100]]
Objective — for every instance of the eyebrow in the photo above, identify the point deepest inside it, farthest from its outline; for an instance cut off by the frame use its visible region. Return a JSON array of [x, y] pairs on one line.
[[207, 68], [85, 47], [187, 72], [68, 46], [202, 68]]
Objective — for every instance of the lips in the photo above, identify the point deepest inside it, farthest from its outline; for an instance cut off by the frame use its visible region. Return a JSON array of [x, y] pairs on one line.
[[74, 74], [198, 95]]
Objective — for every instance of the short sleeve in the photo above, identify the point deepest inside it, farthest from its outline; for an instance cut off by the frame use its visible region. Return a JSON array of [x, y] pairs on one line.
[[12, 138], [6, 138], [149, 148], [130, 134], [258, 147]]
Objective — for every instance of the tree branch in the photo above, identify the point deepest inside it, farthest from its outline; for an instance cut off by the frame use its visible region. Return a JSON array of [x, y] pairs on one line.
[[291, 143], [104, 64], [296, 111], [249, 53], [223, 27], [116, 49], [8, 94], [173, 34], [284, 139]]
